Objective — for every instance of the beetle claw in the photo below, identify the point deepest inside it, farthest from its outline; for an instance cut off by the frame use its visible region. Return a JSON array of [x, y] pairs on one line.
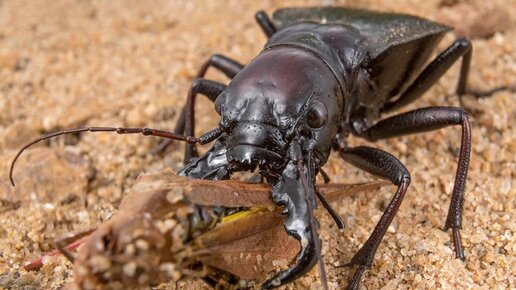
[[355, 281]]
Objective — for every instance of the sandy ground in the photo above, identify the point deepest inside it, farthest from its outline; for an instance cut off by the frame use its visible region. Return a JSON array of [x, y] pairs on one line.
[[67, 63]]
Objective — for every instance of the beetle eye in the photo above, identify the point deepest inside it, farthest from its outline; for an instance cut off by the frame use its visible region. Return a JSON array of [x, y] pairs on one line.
[[317, 115]]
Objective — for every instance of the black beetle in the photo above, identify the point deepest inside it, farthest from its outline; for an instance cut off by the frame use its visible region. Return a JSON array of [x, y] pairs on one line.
[[324, 74]]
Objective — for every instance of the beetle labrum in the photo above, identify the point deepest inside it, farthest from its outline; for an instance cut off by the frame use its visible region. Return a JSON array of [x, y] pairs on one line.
[[323, 75]]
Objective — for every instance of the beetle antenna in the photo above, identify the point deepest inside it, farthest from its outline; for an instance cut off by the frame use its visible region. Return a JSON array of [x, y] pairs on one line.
[[205, 138], [317, 241]]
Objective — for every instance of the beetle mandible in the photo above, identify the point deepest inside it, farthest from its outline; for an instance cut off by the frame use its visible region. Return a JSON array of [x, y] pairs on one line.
[[324, 74]]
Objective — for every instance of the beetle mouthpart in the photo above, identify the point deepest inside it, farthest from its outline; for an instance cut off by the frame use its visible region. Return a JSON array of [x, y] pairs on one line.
[[260, 135], [297, 194], [248, 157], [253, 144]]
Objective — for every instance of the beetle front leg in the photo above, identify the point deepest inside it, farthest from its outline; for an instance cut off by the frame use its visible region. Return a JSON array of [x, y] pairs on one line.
[[208, 88], [428, 119], [227, 66], [211, 89], [186, 122], [386, 166]]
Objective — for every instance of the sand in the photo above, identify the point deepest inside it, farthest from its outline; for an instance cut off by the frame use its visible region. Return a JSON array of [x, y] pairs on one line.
[[70, 63]]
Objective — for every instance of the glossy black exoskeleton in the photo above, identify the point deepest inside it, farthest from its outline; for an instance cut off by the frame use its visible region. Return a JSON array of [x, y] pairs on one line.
[[324, 74]]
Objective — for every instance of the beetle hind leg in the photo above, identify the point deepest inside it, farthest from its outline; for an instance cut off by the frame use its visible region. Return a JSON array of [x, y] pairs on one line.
[[429, 119], [386, 166]]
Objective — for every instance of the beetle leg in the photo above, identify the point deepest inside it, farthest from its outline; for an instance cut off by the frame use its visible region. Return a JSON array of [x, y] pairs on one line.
[[428, 119], [386, 166], [266, 24], [186, 121], [206, 87], [227, 66], [434, 71]]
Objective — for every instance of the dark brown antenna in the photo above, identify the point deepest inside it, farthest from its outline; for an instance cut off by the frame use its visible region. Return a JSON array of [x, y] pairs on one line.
[[206, 138]]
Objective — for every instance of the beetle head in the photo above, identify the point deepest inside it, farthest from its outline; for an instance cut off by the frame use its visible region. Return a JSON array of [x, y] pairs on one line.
[[282, 95]]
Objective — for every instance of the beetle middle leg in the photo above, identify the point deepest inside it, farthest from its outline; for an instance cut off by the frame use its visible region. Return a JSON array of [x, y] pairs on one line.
[[428, 119], [266, 24], [436, 69], [386, 166]]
